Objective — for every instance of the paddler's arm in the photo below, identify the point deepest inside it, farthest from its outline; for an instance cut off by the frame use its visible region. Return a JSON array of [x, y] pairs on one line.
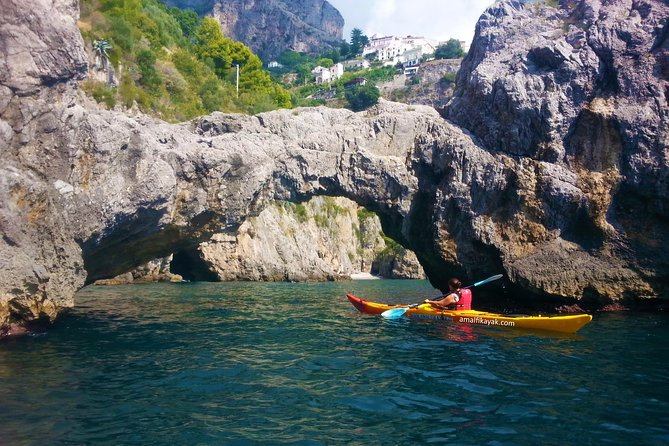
[[442, 302]]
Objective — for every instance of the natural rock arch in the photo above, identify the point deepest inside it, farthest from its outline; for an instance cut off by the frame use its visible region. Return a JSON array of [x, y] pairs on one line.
[[87, 193]]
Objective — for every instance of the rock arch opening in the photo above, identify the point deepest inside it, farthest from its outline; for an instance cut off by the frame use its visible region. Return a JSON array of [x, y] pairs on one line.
[[324, 238]]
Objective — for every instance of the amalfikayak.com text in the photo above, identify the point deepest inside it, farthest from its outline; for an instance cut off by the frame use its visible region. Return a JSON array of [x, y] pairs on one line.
[[481, 321]]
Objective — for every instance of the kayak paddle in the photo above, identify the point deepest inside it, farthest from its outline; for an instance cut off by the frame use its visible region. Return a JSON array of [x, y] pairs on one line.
[[396, 313], [484, 281]]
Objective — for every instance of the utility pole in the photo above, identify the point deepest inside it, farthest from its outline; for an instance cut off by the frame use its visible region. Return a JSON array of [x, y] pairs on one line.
[[237, 65]]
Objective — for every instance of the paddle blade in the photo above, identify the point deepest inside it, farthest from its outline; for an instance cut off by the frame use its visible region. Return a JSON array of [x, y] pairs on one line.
[[489, 279], [395, 313]]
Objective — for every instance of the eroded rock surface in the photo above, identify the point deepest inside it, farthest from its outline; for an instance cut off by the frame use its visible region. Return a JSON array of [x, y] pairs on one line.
[[578, 95]]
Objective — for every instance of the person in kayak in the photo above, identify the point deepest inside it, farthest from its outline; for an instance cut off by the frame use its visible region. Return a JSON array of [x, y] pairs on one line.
[[458, 298]]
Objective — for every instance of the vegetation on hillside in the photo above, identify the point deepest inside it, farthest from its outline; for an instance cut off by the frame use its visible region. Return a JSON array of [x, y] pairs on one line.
[[295, 73], [450, 50], [358, 41], [172, 64], [361, 97]]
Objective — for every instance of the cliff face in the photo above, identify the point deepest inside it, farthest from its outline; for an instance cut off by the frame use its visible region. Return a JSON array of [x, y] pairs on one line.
[[433, 84], [578, 95], [342, 242], [157, 270], [323, 239], [576, 209], [270, 27]]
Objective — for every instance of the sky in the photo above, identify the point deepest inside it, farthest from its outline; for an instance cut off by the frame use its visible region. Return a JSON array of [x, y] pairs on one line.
[[434, 19]]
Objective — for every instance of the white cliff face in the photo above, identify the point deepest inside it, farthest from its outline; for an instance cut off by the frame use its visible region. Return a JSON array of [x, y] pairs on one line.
[[88, 194], [312, 241], [323, 239]]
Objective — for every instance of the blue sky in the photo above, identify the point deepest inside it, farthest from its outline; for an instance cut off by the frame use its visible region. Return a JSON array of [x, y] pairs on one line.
[[436, 19]]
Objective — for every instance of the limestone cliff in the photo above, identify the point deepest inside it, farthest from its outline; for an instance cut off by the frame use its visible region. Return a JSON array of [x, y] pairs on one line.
[[323, 239], [270, 27], [157, 270], [577, 95], [557, 174], [342, 239]]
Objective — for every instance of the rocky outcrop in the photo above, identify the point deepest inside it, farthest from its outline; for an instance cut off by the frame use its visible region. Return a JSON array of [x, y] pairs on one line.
[[578, 95], [157, 270], [40, 51], [342, 241], [433, 85], [88, 194], [323, 239], [403, 265], [271, 27]]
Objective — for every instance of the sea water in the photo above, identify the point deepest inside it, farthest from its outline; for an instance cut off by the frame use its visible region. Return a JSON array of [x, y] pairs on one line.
[[296, 364]]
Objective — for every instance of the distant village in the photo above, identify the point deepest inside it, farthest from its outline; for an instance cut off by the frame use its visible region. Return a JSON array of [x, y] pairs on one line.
[[408, 52]]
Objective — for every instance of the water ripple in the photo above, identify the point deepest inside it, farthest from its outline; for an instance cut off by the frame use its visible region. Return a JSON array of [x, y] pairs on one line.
[[242, 364]]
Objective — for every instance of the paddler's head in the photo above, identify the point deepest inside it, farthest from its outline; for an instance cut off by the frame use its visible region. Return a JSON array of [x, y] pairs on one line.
[[454, 284]]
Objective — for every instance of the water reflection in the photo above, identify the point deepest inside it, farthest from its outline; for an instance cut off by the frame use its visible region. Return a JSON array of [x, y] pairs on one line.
[[459, 333]]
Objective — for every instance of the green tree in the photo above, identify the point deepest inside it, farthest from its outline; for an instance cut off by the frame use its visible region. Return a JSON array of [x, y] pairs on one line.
[[325, 62], [450, 50], [223, 54], [123, 34], [188, 20], [362, 97], [210, 45], [291, 59], [344, 49], [358, 41], [149, 77], [161, 28], [175, 65], [333, 55]]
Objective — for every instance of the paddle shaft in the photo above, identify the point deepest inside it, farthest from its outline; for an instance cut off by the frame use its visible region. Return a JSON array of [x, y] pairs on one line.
[[482, 282]]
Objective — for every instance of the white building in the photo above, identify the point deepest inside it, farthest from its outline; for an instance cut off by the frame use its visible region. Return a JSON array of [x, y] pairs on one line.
[[356, 63], [386, 48], [425, 46], [392, 50], [337, 71], [412, 57], [326, 75]]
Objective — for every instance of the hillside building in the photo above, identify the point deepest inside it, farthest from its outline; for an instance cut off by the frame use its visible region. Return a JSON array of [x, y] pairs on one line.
[[356, 63], [326, 75], [392, 50]]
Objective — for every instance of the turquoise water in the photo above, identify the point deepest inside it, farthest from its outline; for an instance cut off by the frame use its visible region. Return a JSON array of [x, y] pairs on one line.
[[295, 364]]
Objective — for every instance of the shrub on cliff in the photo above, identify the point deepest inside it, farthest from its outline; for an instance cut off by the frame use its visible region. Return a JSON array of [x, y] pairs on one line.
[[362, 97], [450, 50]]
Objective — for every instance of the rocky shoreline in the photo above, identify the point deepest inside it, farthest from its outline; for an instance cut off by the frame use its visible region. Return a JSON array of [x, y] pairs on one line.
[[550, 167]]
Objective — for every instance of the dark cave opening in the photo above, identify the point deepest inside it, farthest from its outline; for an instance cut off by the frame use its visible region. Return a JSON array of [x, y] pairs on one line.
[[191, 267]]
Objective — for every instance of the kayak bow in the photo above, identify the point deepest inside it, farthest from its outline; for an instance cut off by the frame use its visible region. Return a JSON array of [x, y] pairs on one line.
[[563, 324]]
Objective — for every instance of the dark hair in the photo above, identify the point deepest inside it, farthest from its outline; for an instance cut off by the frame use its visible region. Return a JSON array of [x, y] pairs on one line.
[[454, 283]]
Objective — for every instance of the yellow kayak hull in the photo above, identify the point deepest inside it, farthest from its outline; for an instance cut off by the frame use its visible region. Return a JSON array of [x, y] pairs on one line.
[[563, 324]]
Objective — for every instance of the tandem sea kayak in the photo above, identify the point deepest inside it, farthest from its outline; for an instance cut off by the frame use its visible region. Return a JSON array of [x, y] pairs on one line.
[[562, 324]]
